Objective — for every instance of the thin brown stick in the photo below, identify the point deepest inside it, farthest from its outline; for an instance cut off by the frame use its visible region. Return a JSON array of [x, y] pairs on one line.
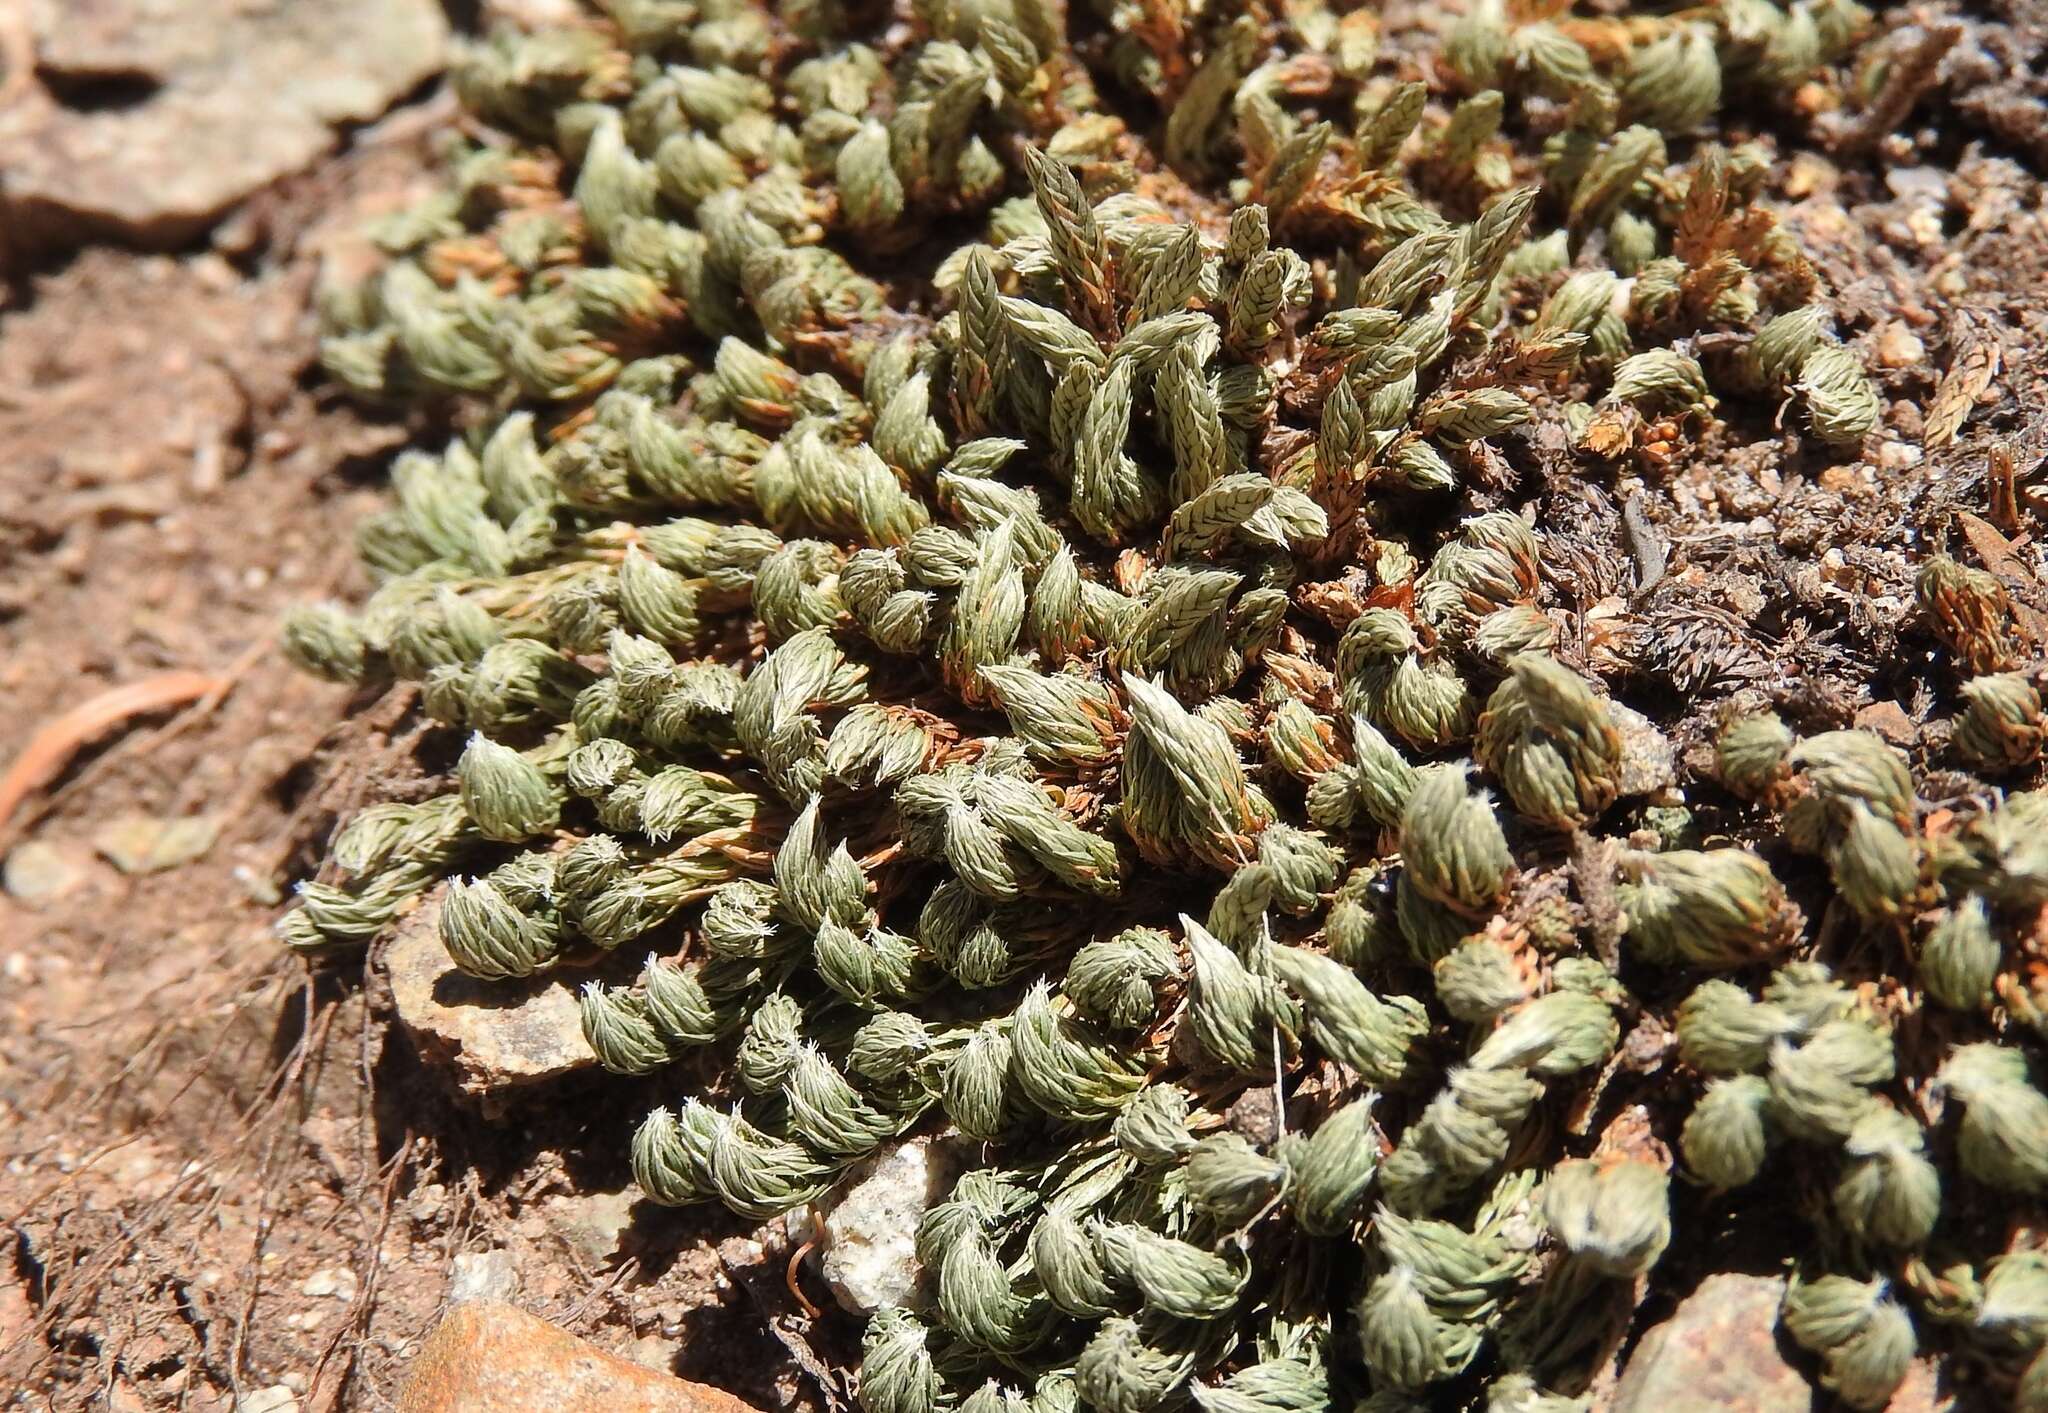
[[356, 1325], [143, 743], [51, 748], [17, 54], [790, 1278]]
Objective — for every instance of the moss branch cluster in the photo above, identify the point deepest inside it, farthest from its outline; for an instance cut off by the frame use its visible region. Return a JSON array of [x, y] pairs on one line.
[[1024, 614]]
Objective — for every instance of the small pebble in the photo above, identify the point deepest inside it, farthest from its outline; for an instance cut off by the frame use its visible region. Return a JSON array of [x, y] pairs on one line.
[[336, 1281], [1898, 456], [1899, 347], [42, 872], [138, 843], [1928, 184], [483, 1275]]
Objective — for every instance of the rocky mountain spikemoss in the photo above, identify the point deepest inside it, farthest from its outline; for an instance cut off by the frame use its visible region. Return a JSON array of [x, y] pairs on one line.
[[1028, 572]]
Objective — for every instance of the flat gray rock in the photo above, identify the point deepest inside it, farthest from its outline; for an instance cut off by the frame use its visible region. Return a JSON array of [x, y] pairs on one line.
[[483, 1275], [1648, 763], [490, 1037], [153, 117], [591, 1224], [40, 871], [867, 1234], [1718, 1351]]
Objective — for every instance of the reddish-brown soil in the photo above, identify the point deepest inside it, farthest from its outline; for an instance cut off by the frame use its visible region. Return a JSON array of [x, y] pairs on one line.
[[221, 1173]]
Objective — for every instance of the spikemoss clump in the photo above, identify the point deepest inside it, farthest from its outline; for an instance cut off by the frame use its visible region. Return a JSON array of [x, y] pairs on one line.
[[1021, 612]]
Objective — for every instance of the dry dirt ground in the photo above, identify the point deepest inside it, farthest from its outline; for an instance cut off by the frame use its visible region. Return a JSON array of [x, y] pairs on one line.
[[224, 1176]]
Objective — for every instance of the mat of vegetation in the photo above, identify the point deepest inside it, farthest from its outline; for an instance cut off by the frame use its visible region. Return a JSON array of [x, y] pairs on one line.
[[1321, 631]]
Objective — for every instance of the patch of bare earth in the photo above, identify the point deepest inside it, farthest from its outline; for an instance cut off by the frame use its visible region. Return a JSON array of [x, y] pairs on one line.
[[223, 1175]]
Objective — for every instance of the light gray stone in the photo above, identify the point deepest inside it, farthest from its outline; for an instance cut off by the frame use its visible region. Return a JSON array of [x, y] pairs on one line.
[[40, 871], [154, 117], [653, 1352], [492, 1037], [483, 1275], [1648, 763], [141, 843], [333, 1282], [867, 1237], [592, 1223]]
